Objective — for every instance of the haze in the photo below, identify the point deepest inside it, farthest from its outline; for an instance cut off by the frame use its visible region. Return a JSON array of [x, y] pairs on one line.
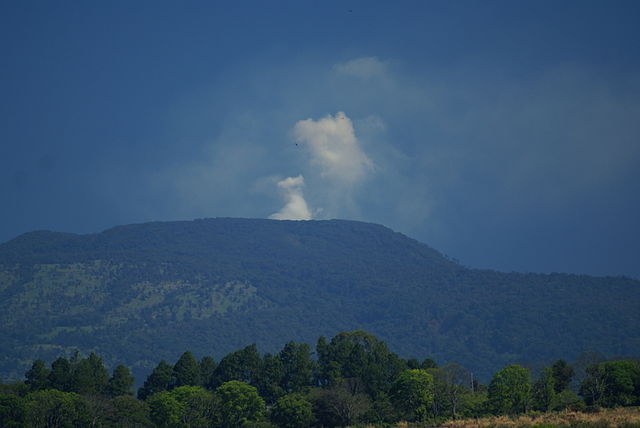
[[504, 134]]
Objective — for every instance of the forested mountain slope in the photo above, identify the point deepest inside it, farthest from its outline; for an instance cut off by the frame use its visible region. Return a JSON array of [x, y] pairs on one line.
[[139, 293]]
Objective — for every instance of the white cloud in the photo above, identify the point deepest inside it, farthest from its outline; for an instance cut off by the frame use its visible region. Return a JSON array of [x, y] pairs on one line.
[[334, 147], [295, 207], [364, 67]]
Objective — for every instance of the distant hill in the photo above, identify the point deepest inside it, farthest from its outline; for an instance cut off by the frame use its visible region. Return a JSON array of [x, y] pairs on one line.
[[139, 293]]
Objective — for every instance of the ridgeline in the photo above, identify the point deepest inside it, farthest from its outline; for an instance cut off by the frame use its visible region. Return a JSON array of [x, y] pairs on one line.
[[139, 293]]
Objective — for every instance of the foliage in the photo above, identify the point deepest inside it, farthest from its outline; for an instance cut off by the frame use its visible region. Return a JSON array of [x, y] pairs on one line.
[[239, 403], [12, 411], [338, 405], [37, 377], [126, 411], [159, 380], [612, 383], [419, 396], [562, 374], [186, 371], [51, 408], [297, 367], [358, 355], [165, 409], [243, 365], [412, 393], [292, 411], [198, 406], [207, 367], [120, 382], [544, 391], [88, 375], [510, 390]]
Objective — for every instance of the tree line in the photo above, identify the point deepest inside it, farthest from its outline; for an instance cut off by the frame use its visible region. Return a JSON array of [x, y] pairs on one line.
[[352, 379]]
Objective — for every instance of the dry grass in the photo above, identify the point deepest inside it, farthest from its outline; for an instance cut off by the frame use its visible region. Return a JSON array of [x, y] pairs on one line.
[[628, 417], [612, 418]]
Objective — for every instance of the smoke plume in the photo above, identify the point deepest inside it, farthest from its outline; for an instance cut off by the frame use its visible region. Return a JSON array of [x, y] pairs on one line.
[[295, 207], [334, 148]]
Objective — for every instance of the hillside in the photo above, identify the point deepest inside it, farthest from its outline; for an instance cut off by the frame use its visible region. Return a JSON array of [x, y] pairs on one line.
[[139, 293]]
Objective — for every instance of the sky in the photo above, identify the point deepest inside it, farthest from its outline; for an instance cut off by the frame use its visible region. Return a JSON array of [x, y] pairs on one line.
[[505, 134]]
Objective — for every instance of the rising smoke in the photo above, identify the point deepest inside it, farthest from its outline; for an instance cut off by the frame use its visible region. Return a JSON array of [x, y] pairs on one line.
[[334, 152], [295, 207]]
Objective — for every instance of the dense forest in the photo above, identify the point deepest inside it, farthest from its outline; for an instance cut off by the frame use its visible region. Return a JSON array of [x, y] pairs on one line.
[[139, 293], [353, 379]]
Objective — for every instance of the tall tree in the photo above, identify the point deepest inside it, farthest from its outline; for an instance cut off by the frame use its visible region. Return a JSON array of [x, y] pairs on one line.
[[186, 371], [338, 405], [297, 367], [613, 383], [544, 390], [292, 411], [121, 382], [53, 409], [60, 375], [89, 376], [239, 403], [12, 411], [270, 378], [358, 354], [126, 411], [207, 368], [510, 390], [37, 378], [412, 393], [159, 380], [198, 406], [242, 365], [165, 410], [562, 374]]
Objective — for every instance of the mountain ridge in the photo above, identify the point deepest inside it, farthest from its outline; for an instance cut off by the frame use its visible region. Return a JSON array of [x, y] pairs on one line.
[[215, 285]]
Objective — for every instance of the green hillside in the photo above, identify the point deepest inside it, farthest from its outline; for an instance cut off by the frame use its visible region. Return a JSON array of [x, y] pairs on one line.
[[140, 293]]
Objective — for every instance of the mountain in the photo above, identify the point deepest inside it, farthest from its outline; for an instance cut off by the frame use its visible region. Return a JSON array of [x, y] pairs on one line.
[[136, 294]]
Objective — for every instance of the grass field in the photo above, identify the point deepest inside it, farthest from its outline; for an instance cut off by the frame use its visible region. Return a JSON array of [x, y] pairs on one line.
[[628, 417]]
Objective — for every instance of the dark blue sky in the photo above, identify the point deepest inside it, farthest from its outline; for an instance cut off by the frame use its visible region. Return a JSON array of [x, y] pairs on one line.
[[505, 134]]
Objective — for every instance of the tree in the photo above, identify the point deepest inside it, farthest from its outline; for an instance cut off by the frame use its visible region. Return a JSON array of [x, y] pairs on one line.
[[186, 371], [562, 374], [457, 379], [450, 384], [358, 354], [165, 410], [412, 393], [12, 411], [37, 377], [239, 403], [544, 390], [120, 382], [159, 380], [51, 408], [207, 368], [338, 405], [60, 375], [613, 383], [270, 378], [89, 376], [583, 362], [593, 387], [198, 405], [242, 365], [510, 390], [297, 367], [126, 411], [292, 411]]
